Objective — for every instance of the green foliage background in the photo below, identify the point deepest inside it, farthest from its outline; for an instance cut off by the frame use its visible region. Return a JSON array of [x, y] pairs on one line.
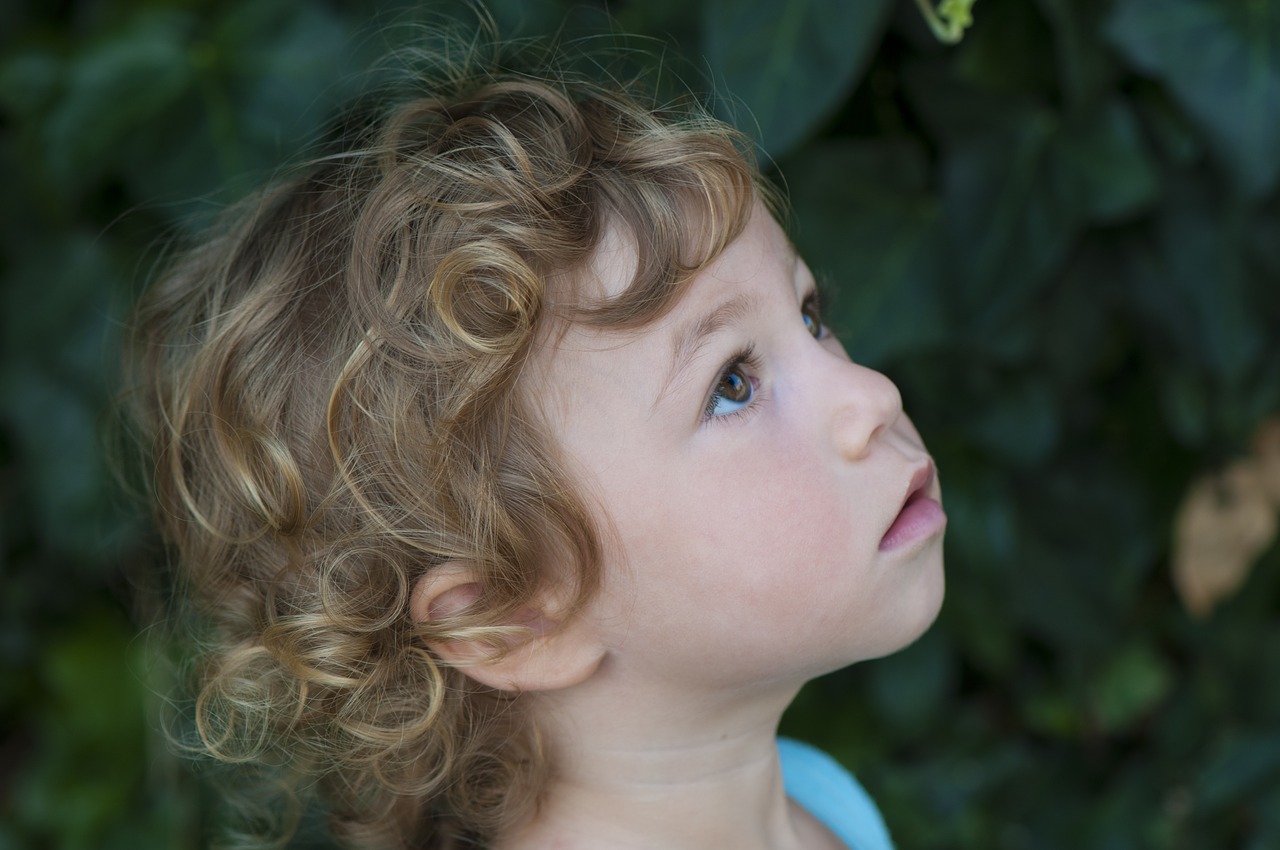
[[1061, 238]]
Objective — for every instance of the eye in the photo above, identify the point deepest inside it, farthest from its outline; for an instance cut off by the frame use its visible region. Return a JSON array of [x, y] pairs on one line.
[[812, 317], [733, 391]]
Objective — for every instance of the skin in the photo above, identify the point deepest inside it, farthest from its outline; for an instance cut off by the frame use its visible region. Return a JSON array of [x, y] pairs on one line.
[[744, 507]]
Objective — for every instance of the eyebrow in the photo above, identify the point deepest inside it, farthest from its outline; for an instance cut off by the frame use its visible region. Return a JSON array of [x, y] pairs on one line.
[[689, 338]]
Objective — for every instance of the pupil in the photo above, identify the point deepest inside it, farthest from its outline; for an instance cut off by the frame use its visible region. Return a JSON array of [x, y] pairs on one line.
[[736, 387]]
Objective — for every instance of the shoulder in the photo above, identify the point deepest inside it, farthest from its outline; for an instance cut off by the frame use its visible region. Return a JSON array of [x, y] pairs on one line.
[[830, 793]]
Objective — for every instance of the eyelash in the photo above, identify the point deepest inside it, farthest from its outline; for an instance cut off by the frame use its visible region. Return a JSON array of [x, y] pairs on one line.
[[747, 357], [744, 358], [813, 304]]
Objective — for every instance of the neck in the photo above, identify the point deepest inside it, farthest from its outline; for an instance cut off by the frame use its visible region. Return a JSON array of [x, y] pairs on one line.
[[672, 773]]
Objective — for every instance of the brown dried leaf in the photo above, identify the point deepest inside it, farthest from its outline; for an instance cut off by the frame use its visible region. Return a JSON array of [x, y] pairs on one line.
[[1266, 450], [1225, 522]]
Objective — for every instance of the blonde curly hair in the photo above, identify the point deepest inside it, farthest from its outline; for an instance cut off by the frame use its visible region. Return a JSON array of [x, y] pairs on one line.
[[328, 388]]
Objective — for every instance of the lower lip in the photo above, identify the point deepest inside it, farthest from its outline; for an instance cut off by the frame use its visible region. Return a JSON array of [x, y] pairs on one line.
[[922, 517]]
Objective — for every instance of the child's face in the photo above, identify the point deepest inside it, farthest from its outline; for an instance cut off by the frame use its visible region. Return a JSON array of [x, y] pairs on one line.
[[751, 474]]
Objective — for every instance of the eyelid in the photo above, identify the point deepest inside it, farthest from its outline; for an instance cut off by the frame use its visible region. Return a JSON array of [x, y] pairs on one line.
[[823, 290], [812, 301], [811, 311], [818, 293], [745, 357], [812, 298]]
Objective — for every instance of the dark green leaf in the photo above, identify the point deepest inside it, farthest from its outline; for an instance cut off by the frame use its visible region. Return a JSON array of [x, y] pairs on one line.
[[521, 18], [1221, 59], [982, 625], [28, 80], [1168, 126], [983, 525], [57, 430], [91, 736], [1241, 764], [1054, 603], [112, 90], [291, 63], [1008, 223], [52, 382], [789, 61], [1051, 712], [1020, 425], [1103, 161], [864, 221], [1086, 67], [911, 689], [1005, 49], [1186, 405], [1196, 287], [1130, 684]]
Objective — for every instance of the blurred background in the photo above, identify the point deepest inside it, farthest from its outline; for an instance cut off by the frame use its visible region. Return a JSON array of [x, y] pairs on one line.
[[1061, 237]]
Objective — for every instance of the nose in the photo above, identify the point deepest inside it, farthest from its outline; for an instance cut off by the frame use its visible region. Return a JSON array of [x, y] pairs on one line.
[[866, 404]]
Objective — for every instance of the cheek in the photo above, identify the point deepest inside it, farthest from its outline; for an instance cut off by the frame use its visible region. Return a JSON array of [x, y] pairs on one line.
[[759, 524]]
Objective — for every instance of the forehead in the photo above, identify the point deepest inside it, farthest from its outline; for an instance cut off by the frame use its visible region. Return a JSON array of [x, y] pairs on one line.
[[761, 249], [760, 264]]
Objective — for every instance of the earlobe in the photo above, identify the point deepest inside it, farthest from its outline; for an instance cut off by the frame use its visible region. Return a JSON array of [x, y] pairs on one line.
[[541, 652]]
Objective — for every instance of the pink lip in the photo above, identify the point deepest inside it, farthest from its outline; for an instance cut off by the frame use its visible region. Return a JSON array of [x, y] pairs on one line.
[[920, 516]]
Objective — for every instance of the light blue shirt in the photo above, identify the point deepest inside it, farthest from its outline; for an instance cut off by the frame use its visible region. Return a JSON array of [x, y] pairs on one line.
[[830, 793]]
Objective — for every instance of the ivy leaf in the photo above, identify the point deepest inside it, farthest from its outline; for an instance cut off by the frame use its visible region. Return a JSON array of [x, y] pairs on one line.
[[54, 328], [265, 79], [1020, 426], [1006, 52], [91, 759], [864, 220], [909, 689], [1008, 221], [1220, 59], [120, 84], [1086, 67], [790, 61], [1052, 602], [1198, 287], [1243, 764], [1132, 682], [291, 63], [1101, 158], [28, 80]]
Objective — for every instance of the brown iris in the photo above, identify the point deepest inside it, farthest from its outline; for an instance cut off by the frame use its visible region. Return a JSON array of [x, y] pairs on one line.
[[812, 317], [734, 387]]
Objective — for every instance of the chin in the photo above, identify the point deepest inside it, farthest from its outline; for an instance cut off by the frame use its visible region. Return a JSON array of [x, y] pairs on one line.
[[913, 618], [931, 603]]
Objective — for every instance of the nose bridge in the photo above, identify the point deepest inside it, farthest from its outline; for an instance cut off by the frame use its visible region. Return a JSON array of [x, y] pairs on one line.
[[865, 404]]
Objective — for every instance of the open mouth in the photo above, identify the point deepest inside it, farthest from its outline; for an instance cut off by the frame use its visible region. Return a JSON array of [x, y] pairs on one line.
[[920, 516]]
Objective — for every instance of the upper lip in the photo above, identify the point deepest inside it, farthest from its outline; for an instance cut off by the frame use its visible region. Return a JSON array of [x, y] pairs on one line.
[[921, 481]]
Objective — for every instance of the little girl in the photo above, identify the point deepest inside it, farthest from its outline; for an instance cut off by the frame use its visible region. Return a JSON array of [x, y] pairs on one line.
[[516, 485]]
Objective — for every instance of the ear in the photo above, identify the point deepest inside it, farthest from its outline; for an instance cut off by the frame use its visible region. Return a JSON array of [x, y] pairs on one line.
[[554, 655]]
